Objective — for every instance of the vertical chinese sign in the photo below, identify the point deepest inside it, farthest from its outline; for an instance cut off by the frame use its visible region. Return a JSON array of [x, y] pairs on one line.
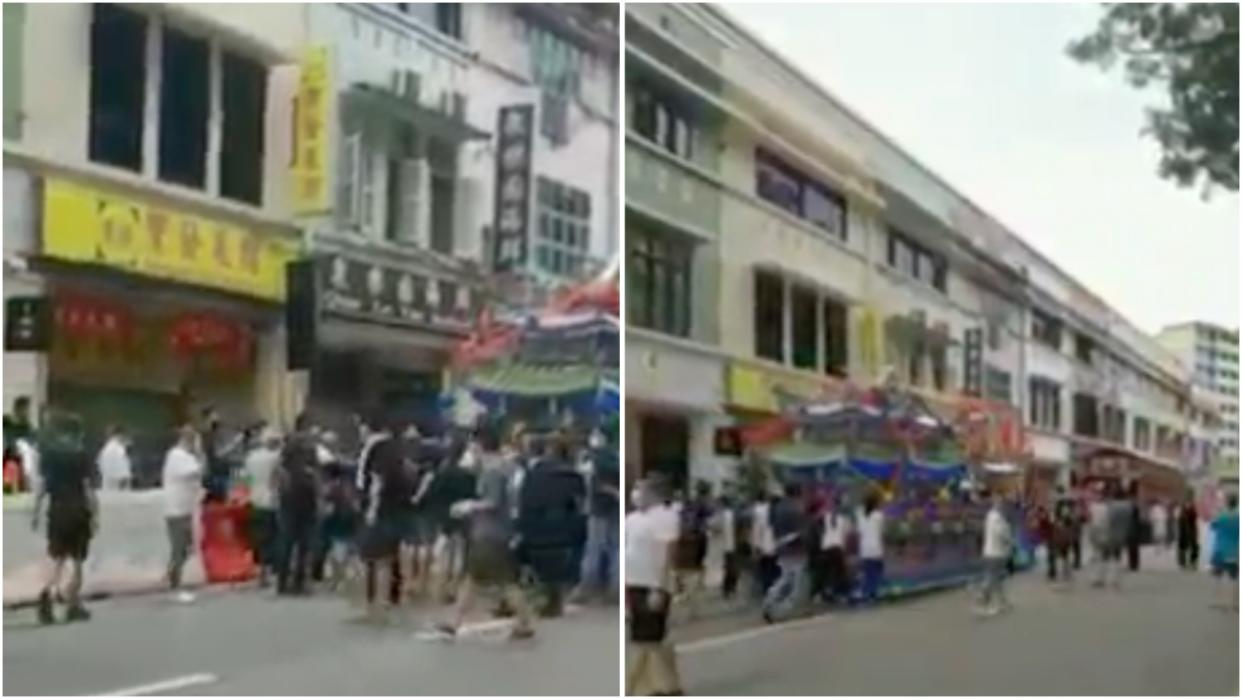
[[310, 134], [513, 164]]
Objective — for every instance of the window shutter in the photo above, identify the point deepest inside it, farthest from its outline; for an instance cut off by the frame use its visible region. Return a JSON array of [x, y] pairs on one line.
[[349, 190], [411, 174], [366, 187]]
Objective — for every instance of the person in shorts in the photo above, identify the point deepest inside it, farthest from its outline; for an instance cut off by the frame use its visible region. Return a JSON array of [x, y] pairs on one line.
[[72, 514], [455, 481], [1225, 552], [651, 535], [490, 561], [387, 517]]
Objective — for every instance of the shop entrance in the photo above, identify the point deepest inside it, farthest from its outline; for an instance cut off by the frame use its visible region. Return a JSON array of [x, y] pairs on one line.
[[665, 448], [148, 417]]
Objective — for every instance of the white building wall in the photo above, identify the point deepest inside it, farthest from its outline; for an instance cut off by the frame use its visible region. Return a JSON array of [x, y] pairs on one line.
[[503, 77]]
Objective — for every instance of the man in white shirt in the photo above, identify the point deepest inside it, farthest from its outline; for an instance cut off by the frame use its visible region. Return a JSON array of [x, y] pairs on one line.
[[182, 486], [115, 468], [260, 472], [997, 547], [651, 533]]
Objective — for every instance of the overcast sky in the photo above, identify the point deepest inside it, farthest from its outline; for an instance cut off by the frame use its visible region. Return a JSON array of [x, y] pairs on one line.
[[985, 96]]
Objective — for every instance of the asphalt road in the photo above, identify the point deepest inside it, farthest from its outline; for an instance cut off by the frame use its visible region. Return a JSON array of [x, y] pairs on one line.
[[235, 642], [1158, 635]]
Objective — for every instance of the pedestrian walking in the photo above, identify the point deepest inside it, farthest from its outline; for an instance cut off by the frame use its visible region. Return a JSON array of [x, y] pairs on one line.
[[726, 528], [1134, 530], [790, 526], [600, 572], [836, 530], [997, 551], [386, 519], [1064, 532], [297, 493], [259, 469], [691, 564], [871, 547], [552, 523], [1110, 524], [764, 545], [490, 562], [72, 514], [181, 483], [1188, 535], [1225, 553], [115, 469], [453, 483], [651, 533], [1158, 515]]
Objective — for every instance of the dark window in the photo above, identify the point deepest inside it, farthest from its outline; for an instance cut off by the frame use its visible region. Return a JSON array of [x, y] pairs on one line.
[[1086, 415], [916, 261], [800, 195], [1046, 329], [448, 18], [939, 368], [1045, 404], [118, 86], [658, 282], [663, 121], [804, 310], [1084, 348], [184, 100], [998, 385], [243, 101], [777, 184], [823, 208], [836, 338], [770, 316]]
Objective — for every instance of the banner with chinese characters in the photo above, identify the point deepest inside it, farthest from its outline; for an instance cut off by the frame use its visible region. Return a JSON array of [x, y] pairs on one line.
[[515, 126], [91, 226], [310, 136], [394, 295]]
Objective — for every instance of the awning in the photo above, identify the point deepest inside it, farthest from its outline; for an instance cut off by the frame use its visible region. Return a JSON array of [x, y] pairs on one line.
[[535, 381], [434, 122]]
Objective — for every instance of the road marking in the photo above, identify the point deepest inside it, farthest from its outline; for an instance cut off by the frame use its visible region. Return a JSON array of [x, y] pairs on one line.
[[747, 634], [164, 686]]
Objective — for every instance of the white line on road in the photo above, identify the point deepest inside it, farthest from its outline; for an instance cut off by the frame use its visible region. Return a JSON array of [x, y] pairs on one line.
[[747, 634], [164, 686]]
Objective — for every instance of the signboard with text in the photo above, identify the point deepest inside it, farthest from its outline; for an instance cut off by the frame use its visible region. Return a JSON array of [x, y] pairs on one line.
[[392, 294], [310, 135], [92, 226], [972, 355], [515, 127]]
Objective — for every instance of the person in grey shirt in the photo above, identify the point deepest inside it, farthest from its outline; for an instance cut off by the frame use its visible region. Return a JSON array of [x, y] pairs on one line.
[[490, 561], [1110, 527]]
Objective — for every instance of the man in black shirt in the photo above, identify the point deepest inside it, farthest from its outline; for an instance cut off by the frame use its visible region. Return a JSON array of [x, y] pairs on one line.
[[67, 485], [298, 501], [389, 504]]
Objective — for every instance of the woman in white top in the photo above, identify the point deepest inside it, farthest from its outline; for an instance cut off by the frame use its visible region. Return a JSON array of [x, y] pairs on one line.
[[836, 528], [871, 547], [651, 533]]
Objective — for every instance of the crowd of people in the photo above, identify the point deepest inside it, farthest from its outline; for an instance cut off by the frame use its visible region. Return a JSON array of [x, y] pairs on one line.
[[803, 545], [404, 515]]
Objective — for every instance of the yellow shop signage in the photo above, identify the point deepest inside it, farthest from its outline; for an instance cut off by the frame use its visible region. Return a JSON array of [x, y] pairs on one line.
[[310, 134], [764, 391], [87, 225]]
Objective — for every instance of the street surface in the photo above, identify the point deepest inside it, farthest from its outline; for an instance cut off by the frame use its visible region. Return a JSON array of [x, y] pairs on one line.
[[238, 642], [1159, 635]]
